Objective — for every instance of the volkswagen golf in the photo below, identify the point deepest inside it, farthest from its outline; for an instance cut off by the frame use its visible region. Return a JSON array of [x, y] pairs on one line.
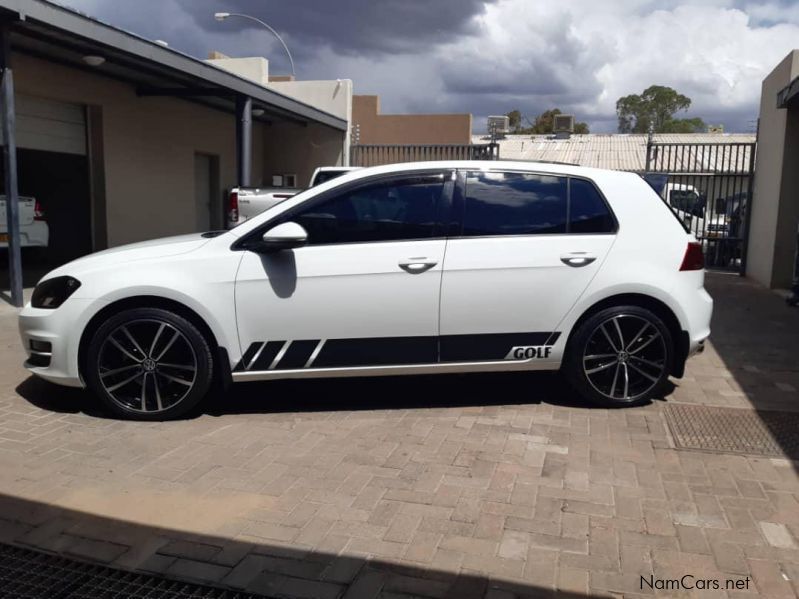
[[434, 267]]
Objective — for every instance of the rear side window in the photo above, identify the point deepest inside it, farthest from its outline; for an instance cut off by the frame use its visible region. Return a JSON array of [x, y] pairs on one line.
[[588, 212], [514, 204], [530, 204]]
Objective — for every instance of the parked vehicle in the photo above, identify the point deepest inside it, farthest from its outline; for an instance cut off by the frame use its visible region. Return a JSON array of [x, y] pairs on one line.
[[246, 202], [691, 207], [33, 229], [323, 174], [436, 267]]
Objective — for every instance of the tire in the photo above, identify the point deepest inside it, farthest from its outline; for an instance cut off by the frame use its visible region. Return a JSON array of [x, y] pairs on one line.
[[148, 364], [620, 357]]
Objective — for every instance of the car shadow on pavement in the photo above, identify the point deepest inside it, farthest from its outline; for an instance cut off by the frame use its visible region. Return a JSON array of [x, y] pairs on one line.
[[340, 394], [249, 562]]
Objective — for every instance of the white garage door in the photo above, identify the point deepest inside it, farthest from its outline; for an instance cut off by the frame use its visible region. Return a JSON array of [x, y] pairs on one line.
[[50, 125]]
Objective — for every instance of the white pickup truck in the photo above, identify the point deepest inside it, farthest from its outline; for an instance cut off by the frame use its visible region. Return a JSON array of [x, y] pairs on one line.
[[33, 229], [246, 202]]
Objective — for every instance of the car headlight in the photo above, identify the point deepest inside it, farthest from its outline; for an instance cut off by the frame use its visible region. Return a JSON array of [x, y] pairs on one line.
[[53, 292]]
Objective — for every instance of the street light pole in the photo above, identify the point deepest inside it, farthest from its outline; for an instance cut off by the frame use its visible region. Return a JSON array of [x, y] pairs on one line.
[[221, 16]]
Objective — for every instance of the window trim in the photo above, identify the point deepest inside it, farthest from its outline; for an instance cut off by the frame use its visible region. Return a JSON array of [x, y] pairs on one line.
[[459, 205], [442, 220]]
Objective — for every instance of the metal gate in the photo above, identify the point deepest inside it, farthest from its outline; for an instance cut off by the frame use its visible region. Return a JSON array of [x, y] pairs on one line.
[[377, 154], [709, 187]]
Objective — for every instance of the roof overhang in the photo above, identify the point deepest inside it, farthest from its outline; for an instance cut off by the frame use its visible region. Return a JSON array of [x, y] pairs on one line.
[[788, 96], [51, 32]]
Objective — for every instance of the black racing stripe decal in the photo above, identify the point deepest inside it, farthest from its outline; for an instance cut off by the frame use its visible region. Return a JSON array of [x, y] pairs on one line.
[[248, 355], [378, 351], [487, 347], [389, 351], [297, 354], [268, 353]]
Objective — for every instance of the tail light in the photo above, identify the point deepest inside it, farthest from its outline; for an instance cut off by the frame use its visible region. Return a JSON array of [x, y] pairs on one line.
[[38, 213], [233, 207], [694, 259]]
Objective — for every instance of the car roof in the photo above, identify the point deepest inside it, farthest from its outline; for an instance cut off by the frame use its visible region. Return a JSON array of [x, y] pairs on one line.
[[492, 165]]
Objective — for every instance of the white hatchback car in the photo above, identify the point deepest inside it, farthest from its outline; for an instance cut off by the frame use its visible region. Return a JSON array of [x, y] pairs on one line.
[[402, 269]]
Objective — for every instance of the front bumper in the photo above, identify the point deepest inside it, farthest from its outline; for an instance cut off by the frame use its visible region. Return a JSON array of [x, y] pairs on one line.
[[61, 328]]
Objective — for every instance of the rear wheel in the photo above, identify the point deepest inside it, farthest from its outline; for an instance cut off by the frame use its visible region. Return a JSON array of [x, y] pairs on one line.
[[149, 364], [620, 356]]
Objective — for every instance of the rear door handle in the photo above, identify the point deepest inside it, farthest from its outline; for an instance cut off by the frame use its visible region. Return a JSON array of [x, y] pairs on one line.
[[577, 259], [417, 265]]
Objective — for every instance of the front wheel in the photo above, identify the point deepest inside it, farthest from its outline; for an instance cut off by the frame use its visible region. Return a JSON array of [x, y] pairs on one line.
[[148, 364], [620, 356]]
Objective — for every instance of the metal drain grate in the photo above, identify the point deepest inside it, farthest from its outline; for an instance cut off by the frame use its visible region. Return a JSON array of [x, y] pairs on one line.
[[28, 574], [734, 430]]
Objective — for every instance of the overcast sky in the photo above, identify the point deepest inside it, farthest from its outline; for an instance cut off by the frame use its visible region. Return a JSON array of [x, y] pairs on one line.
[[491, 57]]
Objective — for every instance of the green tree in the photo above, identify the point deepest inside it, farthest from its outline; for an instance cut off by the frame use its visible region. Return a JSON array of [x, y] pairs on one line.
[[515, 121], [655, 108]]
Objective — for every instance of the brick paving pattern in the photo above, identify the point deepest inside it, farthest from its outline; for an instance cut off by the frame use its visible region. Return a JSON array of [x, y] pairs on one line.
[[495, 486]]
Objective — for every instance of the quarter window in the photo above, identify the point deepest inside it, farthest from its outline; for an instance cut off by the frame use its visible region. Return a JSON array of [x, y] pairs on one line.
[[514, 204], [588, 212], [393, 210]]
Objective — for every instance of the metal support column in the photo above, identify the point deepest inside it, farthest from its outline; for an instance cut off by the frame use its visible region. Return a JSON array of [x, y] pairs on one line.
[[244, 140], [10, 163]]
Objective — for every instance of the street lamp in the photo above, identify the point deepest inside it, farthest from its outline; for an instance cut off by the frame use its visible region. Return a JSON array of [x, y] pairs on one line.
[[221, 16]]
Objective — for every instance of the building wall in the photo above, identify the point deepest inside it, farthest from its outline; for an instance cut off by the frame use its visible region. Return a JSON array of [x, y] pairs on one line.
[[333, 96], [772, 233], [149, 147], [254, 68], [376, 128], [296, 149]]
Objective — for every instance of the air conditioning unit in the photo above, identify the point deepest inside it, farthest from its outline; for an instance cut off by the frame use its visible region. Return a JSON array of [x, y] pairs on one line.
[[498, 126], [563, 125]]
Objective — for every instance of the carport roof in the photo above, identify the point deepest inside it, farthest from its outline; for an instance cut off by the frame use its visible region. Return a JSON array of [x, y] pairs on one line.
[[59, 34]]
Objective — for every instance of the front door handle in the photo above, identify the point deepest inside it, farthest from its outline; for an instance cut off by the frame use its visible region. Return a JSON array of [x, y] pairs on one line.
[[417, 265], [577, 259]]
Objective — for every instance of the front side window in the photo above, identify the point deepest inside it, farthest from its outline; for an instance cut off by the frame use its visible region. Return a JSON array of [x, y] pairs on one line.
[[393, 210], [514, 204]]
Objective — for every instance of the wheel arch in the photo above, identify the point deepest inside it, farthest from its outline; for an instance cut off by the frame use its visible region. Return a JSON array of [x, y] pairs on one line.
[[154, 301], [679, 336]]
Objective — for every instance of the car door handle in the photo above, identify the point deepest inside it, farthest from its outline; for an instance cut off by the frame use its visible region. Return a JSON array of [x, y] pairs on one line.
[[577, 259], [416, 266]]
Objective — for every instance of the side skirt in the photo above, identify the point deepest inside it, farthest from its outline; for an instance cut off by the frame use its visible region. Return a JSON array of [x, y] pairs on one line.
[[366, 371]]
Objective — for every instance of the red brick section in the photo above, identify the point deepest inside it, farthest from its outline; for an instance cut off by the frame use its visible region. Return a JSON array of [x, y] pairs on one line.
[[493, 486]]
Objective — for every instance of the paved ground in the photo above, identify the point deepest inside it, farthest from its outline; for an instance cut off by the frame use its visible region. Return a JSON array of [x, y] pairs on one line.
[[451, 486]]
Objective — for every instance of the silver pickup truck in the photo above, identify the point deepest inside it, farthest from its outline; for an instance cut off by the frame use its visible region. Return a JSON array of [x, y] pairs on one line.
[[33, 229], [246, 202]]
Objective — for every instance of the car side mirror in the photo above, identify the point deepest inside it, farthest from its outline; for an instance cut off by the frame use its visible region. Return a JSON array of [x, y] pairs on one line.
[[285, 236]]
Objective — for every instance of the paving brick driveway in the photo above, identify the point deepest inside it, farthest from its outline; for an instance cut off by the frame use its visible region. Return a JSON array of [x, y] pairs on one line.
[[452, 486]]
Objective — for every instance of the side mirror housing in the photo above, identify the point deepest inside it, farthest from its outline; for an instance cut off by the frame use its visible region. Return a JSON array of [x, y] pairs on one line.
[[285, 236]]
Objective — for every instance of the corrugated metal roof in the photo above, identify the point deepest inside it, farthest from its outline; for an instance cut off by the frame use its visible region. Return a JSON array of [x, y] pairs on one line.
[[627, 152]]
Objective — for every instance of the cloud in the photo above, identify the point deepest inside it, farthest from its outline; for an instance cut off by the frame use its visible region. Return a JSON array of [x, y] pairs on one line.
[[491, 57]]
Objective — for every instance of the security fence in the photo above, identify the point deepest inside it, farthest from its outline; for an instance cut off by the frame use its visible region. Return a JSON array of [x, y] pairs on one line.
[[709, 187], [376, 154]]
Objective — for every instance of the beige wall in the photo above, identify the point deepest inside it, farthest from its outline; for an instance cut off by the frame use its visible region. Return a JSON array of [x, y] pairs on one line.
[[297, 149], [254, 68], [333, 96], [376, 128], [775, 204], [149, 147]]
